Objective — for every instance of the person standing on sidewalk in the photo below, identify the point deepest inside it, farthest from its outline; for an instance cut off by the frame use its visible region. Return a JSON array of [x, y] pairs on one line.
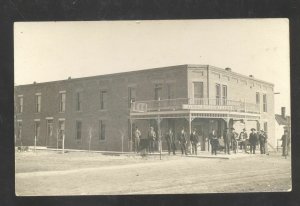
[[285, 143], [182, 141], [137, 135], [194, 140], [214, 142], [253, 141]]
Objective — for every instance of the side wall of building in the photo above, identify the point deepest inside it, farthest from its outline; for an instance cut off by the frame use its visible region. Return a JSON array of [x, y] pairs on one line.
[[114, 116]]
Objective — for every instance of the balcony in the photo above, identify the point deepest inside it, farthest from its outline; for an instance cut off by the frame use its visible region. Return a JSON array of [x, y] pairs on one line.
[[200, 104]]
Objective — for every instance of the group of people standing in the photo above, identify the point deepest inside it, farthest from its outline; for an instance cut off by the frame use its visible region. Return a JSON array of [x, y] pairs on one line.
[[231, 141]]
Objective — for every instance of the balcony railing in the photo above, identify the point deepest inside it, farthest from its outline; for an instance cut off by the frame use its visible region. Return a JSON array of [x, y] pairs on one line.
[[194, 104]]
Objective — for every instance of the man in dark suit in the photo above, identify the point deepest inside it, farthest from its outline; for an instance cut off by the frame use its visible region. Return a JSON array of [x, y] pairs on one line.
[[214, 142], [262, 142], [253, 141], [151, 139], [285, 143], [169, 137], [194, 140], [182, 138], [227, 136]]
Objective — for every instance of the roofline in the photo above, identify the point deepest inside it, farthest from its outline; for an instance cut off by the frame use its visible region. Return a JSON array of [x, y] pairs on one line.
[[184, 66], [231, 72]]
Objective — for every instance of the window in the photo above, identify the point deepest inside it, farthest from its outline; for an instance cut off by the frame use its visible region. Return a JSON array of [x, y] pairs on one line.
[[78, 101], [62, 102], [38, 99], [61, 127], [131, 95], [218, 94], [103, 99], [265, 103], [266, 126], [19, 130], [101, 130], [78, 130], [37, 129], [170, 88], [224, 94], [157, 91], [198, 90], [49, 127], [257, 98], [20, 104]]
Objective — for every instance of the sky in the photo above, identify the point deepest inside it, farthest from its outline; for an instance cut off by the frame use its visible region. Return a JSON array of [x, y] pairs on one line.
[[49, 51]]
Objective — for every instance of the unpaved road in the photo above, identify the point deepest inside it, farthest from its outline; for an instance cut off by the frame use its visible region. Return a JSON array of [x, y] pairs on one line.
[[95, 174]]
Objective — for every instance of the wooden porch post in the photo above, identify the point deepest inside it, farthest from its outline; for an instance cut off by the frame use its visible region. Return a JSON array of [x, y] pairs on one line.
[[159, 136], [190, 131], [130, 146]]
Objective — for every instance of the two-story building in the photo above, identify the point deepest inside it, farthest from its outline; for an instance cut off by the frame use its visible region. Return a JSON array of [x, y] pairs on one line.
[[102, 111]]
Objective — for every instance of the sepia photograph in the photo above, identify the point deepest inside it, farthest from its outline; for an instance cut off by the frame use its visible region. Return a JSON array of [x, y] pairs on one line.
[[152, 107]]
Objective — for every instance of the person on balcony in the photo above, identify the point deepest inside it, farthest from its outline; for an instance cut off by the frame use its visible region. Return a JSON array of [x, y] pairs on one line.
[[182, 138], [253, 141], [243, 138], [194, 141], [137, 135], [214, 142], [151, 139]]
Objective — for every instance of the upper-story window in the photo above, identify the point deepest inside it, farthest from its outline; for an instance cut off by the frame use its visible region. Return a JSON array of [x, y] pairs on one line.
[[257, 98], [38, 100], [20, 104], [198, 90], [78, 101], [218, 94], [170, 88], [265, 107], [131, 95], [103, 99], [224, 94], [158, 91], [62, 101]]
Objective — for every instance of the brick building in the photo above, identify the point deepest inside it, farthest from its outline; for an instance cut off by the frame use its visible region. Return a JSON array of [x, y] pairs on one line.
[[103, 110]]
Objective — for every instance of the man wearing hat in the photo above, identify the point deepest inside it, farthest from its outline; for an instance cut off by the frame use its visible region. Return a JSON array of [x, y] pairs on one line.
[[194, 141], [234, 140], [262, 141], [227, 140], [253, 141], [244, 140], [214, 142], [285, 143]]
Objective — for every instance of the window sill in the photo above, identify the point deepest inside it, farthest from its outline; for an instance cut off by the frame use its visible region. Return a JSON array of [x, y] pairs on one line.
[[61, 112]]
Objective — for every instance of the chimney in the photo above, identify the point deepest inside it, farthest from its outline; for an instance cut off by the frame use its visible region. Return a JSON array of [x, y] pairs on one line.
[[228, 69], [283, 112], [251, 76]]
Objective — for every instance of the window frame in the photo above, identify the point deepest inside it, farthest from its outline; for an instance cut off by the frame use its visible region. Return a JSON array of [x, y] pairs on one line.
[[103, 99], [62, 101], [102, 130], [218, 90], [78, 130], [265, 103], [224, 95], [38, 103]]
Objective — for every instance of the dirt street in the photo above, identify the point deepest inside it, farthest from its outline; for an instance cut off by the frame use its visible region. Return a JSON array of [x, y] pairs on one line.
[[50, 173]]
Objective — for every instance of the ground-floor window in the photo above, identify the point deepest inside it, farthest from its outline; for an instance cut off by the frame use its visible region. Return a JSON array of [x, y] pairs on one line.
[[19, 130], [266, 126], [61, 127], [37, 129], [78, 130], [101, 130]]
